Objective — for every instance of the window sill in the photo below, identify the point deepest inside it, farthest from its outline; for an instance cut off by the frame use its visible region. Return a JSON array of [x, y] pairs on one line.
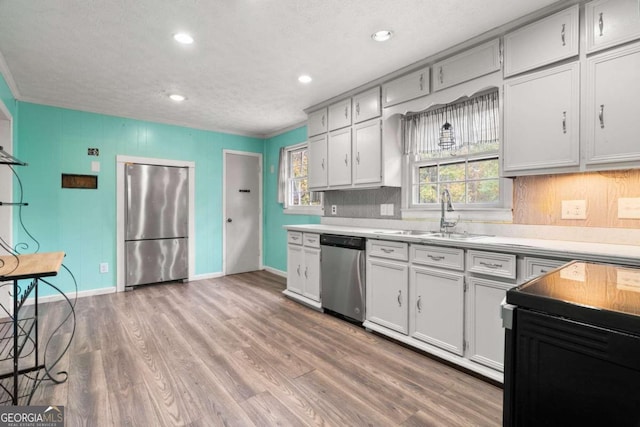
[[501, 215], [307, 210]]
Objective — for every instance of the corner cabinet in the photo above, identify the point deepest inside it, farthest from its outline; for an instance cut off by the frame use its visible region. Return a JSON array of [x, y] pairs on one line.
[[303, 268], [541, 121], [612, 105]]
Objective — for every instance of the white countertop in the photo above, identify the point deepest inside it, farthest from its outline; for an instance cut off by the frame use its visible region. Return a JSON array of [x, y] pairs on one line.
[[563, 249]]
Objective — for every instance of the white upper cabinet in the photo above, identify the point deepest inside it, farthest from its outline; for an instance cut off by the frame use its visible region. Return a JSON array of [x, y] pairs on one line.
[[405, 88], [317, 122], [541, 121], [366, 105], [471, 63], [340, 114], [612, 106], [544, 42], [317, 162], [611, 22], [339, 153], [367, 152]]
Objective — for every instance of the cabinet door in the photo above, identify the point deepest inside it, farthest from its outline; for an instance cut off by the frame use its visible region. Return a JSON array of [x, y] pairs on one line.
[[317, 122], [295, 269], [387, 294], [405, 88], [437, 308], [366, 105], [367, 155], [317, 166], [467, 65], [311, 273], [340, 114], [611, 22], [484, 328], [543, 42], [541, 126], [613, 102], [339, 149]]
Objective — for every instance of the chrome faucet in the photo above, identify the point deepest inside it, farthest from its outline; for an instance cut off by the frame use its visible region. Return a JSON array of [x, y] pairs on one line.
[[445, 197]]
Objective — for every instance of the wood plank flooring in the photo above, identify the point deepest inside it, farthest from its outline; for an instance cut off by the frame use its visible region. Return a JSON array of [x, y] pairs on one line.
[[234, 351]]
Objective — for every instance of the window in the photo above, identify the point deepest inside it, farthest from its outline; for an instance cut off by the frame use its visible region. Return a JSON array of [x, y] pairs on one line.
[[455, 147], [297, 194]]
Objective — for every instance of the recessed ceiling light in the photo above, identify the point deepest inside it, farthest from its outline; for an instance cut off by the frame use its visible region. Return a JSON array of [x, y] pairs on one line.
[[183, 38], [176, 97], [382, 35], [305, 79]]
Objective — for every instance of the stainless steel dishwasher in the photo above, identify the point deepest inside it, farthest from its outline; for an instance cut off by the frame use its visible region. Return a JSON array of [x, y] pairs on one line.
[[342, 270]]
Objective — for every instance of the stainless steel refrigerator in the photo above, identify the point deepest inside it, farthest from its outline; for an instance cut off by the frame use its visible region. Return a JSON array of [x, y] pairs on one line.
[[156, 224]]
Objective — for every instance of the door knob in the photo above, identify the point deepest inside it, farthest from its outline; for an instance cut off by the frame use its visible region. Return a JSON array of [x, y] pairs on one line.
[[229, 220]]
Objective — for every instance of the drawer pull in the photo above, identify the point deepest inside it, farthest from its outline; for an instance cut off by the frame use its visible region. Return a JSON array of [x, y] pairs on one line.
[[601, 24], [542, 271], [562, 35], [387, 251], [490, 265], [400, 298], [311, 240], [294, 237], [419, 304], [436, 257]]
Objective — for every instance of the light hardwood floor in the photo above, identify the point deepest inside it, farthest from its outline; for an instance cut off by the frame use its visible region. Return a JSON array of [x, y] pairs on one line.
[[234, 351]]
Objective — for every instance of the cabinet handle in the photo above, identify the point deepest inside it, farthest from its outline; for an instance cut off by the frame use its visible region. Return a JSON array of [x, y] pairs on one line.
[[564, 122], [490, 265], [436, 258], [306, 270], [419, 304], [311, 240], [357, 108], [386, 251], [323, 120], [421, 82], [322, 164], [358, 157], [441, 75], [346, 160], [601, 24], [346, 116], [399, 298], [294, 237], [298, 269], [543, 271], [601, 116], [562, 35]]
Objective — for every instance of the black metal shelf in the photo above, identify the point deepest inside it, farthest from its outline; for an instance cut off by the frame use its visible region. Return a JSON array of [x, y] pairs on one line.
[[26, 386], [25, 328], [8, 159]]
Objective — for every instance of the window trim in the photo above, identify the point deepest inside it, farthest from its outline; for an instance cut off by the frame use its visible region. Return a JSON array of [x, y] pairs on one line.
[[299, 210]]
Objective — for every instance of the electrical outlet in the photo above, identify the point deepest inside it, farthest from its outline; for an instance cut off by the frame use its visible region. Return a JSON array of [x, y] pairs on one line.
[[576, 272], [104, 267], [629, 207], [334, 210], [574, 209]]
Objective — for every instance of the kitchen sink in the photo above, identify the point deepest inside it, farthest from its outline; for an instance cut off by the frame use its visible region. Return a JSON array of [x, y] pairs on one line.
[[404, 232], [456, 236]]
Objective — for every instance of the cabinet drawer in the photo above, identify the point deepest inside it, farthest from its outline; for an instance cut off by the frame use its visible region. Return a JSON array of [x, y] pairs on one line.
[[468, 65], [438, 257], [534, 267], [492, 264], [311, 240], [317, 122], [387, 249], [611, 22], [405, 88], [294, 237], [546, 41]]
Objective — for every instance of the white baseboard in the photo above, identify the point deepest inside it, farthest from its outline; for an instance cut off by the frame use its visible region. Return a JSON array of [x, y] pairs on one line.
[[205, 276], [276, 271], [70, 295]]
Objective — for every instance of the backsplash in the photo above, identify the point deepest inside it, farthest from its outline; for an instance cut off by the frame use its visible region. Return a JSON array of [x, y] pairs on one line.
[[537, 200], [363, 203]]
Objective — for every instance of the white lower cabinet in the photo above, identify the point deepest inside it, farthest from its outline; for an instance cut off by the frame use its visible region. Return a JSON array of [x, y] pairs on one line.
[[303, 268], [387, 287], [437, 308], [485, 335]]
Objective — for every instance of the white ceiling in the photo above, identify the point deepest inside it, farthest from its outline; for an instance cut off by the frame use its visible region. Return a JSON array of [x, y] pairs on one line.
[[240, 75]]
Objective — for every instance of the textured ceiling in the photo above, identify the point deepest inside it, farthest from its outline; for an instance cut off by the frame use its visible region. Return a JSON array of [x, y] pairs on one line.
[[118, 56]]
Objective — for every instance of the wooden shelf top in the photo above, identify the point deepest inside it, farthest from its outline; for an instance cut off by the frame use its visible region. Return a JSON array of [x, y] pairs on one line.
[[30, 265]]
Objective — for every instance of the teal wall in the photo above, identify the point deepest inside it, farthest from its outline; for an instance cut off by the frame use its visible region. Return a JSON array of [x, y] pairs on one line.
[[82, 223], [275, 237]]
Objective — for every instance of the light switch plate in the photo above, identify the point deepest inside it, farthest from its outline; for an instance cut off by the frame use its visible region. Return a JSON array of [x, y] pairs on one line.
[[95, 166], [390, 209], [574, 209], [629, 207]]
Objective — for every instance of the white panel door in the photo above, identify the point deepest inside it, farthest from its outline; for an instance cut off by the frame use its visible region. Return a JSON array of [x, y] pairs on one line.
[[242, 212], [611, 22], [340, 114], [367, 152], [387, 294], [311, 273], [295, 269], [339, 149], [317, 162]]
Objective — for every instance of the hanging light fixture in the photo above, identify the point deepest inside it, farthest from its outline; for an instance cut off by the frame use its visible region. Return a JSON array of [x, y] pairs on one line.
[[447, 138]]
